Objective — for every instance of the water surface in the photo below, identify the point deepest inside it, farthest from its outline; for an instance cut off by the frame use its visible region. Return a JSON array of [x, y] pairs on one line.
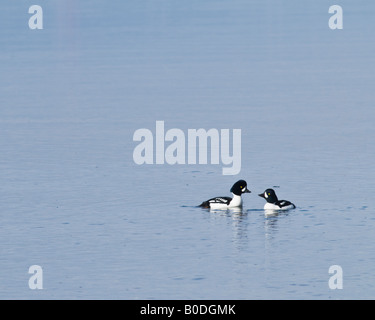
[[74, 202]]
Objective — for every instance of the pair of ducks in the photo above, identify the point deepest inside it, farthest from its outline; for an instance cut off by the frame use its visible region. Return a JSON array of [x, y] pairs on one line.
[[240, 187]]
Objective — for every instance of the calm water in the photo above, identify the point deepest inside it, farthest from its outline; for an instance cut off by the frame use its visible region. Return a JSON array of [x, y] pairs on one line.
[[73, 201]]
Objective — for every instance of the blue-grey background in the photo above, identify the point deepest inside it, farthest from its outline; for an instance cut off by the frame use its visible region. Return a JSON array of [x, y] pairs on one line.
[[73, 201]]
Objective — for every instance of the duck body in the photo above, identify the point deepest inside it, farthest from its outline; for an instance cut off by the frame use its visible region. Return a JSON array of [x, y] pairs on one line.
[[280, 205]]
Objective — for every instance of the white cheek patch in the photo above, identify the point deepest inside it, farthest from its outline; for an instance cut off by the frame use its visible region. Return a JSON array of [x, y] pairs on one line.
[[265, 194], [244, 189]]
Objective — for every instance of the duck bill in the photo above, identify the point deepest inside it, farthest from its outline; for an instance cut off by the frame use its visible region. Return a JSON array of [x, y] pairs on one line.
[[262, 195], [247, 191]]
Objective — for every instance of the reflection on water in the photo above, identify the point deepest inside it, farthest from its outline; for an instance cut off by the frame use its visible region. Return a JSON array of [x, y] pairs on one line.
[[237, 218], [270, 224]]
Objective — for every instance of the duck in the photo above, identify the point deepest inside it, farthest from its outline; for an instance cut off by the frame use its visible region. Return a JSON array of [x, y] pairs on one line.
[[273, 203], [239, 188]]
